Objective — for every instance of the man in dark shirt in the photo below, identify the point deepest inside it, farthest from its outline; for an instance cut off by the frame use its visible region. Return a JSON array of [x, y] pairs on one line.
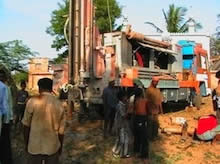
[[110, 101], [21, 100]]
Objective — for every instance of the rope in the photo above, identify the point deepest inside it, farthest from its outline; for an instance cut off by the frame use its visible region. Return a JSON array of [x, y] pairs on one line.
[[66, 87], [65, 30], [109, 16]]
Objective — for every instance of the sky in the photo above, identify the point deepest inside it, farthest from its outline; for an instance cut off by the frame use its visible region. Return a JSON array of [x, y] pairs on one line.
[[27, 20]]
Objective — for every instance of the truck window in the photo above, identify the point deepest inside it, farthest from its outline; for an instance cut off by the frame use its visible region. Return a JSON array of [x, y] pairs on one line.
[[145, 53], [142, 57], [161, 60]]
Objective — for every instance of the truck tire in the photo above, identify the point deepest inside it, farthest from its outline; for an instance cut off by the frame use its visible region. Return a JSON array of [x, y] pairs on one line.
[[197, 101]]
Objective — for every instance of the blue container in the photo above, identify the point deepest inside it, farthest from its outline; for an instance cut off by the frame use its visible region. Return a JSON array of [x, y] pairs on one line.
[[187, 47], [187, 52], [187, 64]]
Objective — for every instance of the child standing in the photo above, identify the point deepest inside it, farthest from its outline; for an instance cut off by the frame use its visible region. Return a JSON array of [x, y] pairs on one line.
[[121, 147]]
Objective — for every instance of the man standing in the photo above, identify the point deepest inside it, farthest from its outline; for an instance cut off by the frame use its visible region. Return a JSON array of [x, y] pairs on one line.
[[216, 101], [154, 104], [44, 126], [141, 144], [110, 101], [5, 118]]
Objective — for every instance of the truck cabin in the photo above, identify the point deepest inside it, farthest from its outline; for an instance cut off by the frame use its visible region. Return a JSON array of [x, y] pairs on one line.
[[195, 67]]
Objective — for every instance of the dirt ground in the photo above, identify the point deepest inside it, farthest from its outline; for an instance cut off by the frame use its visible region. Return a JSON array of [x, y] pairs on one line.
[[84, 143]]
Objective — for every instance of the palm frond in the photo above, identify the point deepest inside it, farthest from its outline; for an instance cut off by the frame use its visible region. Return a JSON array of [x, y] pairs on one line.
[[165, 16], [175, 19]]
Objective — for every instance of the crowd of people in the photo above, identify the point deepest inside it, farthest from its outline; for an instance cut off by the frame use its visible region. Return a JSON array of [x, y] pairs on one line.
[[129, 114], [133, 117], [42, 118]]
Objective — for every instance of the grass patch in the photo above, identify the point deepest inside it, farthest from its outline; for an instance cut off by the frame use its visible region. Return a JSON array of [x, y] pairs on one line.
[[159, 157], [164, 158], [176, 157], [189, 154], [211, 156]]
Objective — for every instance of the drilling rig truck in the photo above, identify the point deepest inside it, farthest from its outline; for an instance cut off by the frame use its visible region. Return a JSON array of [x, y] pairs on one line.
[[123, 55]]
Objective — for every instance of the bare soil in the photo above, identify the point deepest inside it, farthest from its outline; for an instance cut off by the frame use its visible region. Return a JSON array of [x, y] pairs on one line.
[[84, 143]]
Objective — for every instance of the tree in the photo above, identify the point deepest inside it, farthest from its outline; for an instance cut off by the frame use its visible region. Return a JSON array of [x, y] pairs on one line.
[[56, 29], [102, 17], [215, 46], [13, 55], [175, 19], [215, 40], [60, 15], [218, 27], [20, 76]]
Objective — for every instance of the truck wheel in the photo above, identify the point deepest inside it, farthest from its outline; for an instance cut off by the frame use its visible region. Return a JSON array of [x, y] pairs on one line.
[[197, 101]]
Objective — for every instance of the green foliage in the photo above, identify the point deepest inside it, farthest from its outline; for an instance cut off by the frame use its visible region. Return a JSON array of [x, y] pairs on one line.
[[215, 40], [60, 15], [20, 76], [14, 53], [59, 59], [218, 27], [56, 29], [101, 15], [215, 46], [175, 19], [210, 156], [159, 157]]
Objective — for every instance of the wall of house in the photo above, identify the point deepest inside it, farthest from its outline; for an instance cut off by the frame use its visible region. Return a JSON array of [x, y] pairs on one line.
[[38, 65], [33, 80], [39, 68]]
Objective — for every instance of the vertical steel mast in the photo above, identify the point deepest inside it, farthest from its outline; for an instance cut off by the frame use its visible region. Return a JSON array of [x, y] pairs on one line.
[[71, 41]]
